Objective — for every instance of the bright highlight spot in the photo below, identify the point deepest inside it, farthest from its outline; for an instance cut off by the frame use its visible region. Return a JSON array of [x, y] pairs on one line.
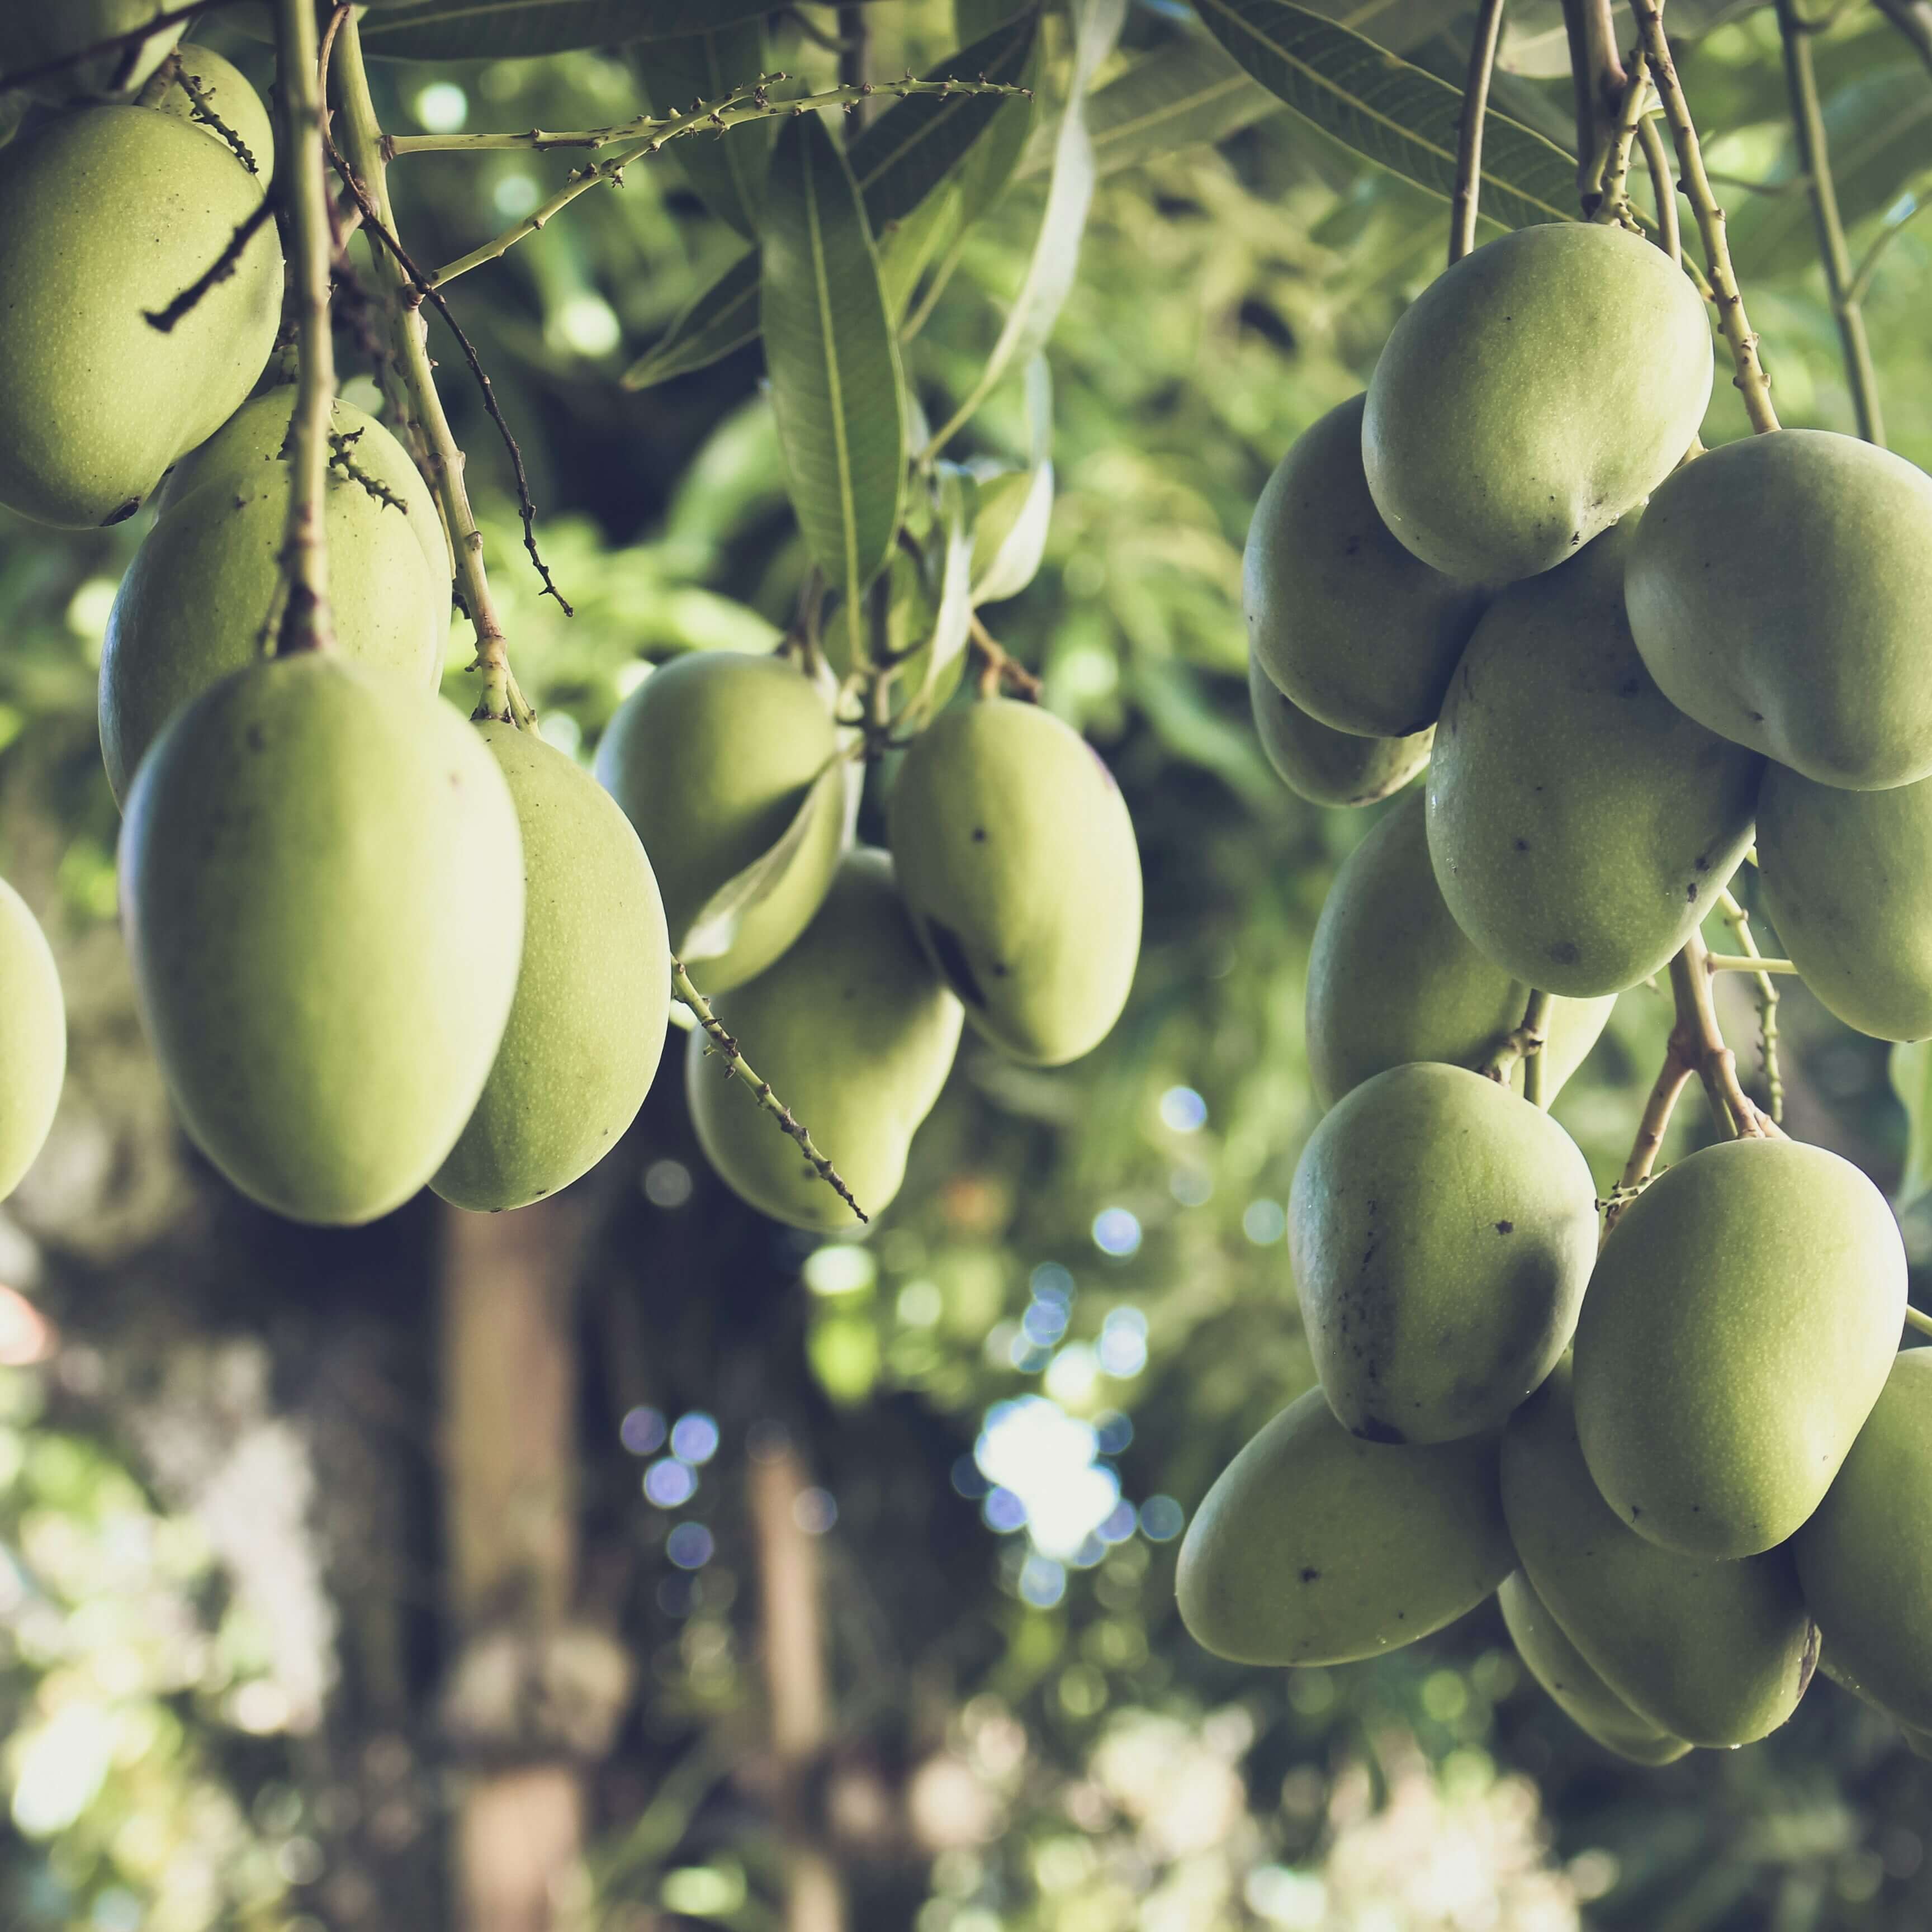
[[693, 1438], [1263, 1223], [689, 1546], [1116, 1232], [1161, 1518], [442, 106], [1122, 1349], [1034, 1451], [669, 1482], [642, 1431], [840, 1269], [1183, 1111]]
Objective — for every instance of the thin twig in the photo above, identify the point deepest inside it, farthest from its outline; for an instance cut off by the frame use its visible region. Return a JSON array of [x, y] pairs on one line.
[[1746, 962], [1734, 915], [855, 58], [998, 667], [1613, 185], [198, 100], [1663, 188], [738, 1068], [1835, 256], [223, 266], [1525, 1043], [1918, 1321], [1462, 206], [1751, 379], [1913, 20], [117, 43], [1598, 74]]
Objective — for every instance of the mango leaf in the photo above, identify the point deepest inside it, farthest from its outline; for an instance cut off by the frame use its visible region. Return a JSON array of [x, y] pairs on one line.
[[1912, 1081], [1015, 508], [1397, 24], [833, 357], [1190, 94], [897, 162], [727, 171], [507, 29], [946, 654], [714, 931], [1390, 111], [907, 246]]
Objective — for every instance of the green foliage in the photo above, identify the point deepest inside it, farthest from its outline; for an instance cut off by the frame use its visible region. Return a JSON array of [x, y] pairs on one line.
[[728, 173]]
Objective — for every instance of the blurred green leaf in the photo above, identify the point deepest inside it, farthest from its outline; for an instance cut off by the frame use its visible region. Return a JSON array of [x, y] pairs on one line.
[[1912, 1081], [832, 354], [727, 173], [1191, 94], [507, 29], [714, 929], [1391, 112]]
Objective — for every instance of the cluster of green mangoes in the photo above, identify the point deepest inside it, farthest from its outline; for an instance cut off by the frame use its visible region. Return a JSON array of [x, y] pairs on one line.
[[1681, 1454], [376, 949]]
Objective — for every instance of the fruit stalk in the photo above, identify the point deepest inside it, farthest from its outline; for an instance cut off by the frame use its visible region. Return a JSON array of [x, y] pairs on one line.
[[1835, 256], [1613, 184], [1598, 74], [1750, 380], [1462, 206], [1656, 159], [306, 623], [1738, 920], [1525, 1043]]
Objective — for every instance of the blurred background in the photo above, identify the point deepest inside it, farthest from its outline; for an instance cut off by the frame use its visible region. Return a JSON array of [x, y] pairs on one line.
[[629, 1563]]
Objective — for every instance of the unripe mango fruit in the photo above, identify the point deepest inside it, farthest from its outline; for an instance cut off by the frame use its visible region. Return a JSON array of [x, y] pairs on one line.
[[1740, 1322], [1532, 394], [1778, 593], [1316, 1547], [1716, 1653], [1392, 978], [1441, 1232], [33, 32], [107, 213], [1843, 875], [1325, 766], [855, 1034], [711, 758], [1342, 618], [1015, 852], [1865, 1557], [586, 1029], [322, 885], [33, 1038], [225, 90], [1564, 1672], [202, 596], [1580, 826]]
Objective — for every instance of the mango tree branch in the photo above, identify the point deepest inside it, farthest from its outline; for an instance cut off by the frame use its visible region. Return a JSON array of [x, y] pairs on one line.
[[1749, 959], [1462, 206], [304, 187], [1613, 184], [1598, 76], [1835, 256], [737, 1068], [1918, 1321], [1664, 186], [1525, 1043], [1749, 379]]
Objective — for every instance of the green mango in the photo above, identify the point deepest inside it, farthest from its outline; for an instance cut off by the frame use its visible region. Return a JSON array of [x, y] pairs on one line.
[[711, 758], [1343, 620], [1441, 1232], [1778, 593], [1532, 395], [322, 886], [1323, 765], [1716, 1653], [1017, 859], [1391, 978], [856, 1034], [33, 32], [107, 213], [1316, 1547], [225, 90], [1843, 875], [1865, 1557], [1738, 1328], [1580, 826], [202, 595], [587, 1027], [1583, 1696], [33, 1038]]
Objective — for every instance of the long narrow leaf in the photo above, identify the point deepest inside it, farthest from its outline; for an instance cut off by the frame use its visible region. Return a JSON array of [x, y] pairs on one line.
[[728, 172], [718, 318], [1389, 111], [1191, 94], [506, 29]]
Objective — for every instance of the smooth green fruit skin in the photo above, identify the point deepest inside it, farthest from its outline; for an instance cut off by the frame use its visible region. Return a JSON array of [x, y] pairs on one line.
[[1718, 1653], [1392, 978], [855, 1034], [205, 585], [225, 89], [33, 1038], [1564, 1673], [1580, 826], [1316, 1547], [1532, 395], [1843, 875], [1322, 765], [1739, 1328], [711, 757], [1343, 620], [1779, 593], [1441, 1232], [1018, 861], [322, 886], [1865, 1558], [586, 1029], [106, 213]]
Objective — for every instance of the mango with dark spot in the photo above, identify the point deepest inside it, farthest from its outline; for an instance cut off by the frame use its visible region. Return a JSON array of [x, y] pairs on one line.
[[1718, 1653], [855, 1033], [1037, 926], [1580, 824], [1325, 766], [1315, 1547], [1427, 1322], [1534, 394], [586, 1029], [1355, 631], [1393, 978], [1740, 1325]]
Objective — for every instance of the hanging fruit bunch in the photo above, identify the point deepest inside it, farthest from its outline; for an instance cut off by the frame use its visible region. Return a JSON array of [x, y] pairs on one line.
[[1673, 1429]]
